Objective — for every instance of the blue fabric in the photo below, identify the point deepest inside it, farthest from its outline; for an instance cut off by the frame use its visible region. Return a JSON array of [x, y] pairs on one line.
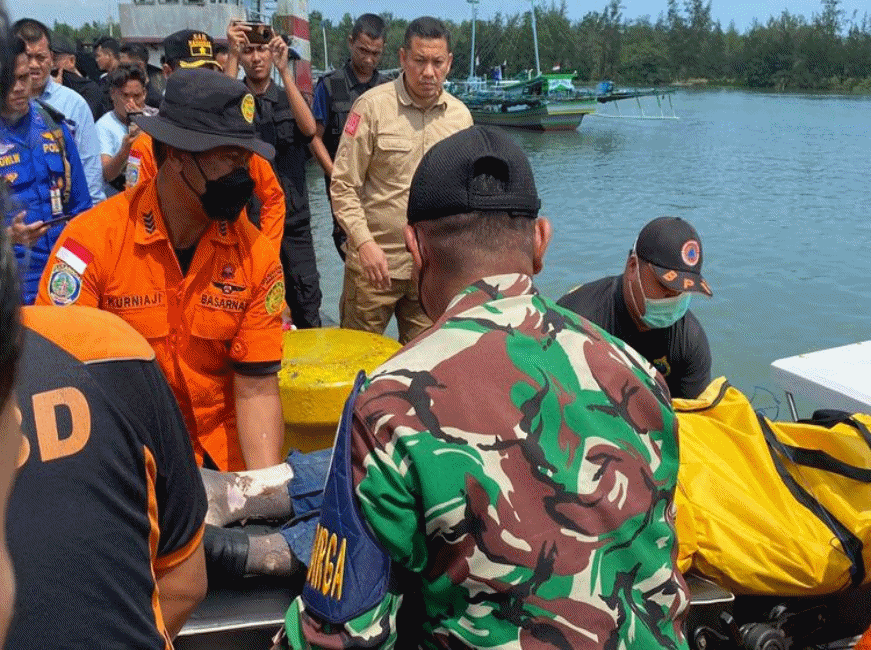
[[320, 104], [81, 123], [306, 491], [306, 488], [299, 533], [32, 164], [349, 570]]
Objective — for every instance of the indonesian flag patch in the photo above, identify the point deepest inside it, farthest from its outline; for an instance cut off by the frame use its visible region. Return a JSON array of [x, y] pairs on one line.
[[76, 256], [352, 123]]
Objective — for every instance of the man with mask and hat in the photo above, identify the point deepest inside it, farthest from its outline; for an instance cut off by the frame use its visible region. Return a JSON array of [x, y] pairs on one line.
[[172, 258], [647, 306], [506, 480], [187, 49]]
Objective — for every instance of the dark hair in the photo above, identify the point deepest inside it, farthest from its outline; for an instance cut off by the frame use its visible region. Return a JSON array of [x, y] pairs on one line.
[[135, 51], [108, 43], [31, 30], [10, 297], [18, 48], [473, 238], [369, 24], [7, 58], [124, 73], [426, 27], [160, 152], [10, 293], [219, 48]]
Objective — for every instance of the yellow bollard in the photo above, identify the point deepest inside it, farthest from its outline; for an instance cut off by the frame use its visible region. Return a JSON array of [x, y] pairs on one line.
[[316, 376]]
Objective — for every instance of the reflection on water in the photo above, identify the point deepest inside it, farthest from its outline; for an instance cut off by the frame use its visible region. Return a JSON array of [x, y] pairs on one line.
[[776, 184]]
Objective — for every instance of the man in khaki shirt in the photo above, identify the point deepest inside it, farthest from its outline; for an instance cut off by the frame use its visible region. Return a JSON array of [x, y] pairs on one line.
[[388, 131]]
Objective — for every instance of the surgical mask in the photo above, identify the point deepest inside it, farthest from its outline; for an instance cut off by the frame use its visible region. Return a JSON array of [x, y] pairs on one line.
[[660, 313], [664, 312], [225, 197]]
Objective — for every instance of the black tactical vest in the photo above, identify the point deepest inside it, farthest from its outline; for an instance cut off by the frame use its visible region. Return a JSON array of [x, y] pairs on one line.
[[343, 90]]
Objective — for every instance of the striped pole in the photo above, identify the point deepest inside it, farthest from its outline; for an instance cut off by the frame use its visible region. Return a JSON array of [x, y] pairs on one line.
[[291, 17]]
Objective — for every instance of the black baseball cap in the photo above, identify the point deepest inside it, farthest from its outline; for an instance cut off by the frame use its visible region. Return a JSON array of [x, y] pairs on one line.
[[674, 250], [477, 169], [190, 48], [62, 45], [203, 109]]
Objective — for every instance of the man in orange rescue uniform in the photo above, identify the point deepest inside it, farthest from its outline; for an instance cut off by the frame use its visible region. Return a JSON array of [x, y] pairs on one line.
[[195, 49], [172, 258]]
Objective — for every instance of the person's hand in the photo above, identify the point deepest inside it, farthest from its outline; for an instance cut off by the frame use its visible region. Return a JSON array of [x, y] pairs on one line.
[[24, 233], [237, 36], [374, 264], [279, 53], [133, 132]]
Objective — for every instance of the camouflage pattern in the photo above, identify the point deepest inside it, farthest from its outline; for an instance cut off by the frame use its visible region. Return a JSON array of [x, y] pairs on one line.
[[523, 462]]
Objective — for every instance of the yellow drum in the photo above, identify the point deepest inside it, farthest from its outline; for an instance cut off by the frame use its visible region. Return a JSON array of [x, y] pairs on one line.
[[316, 376]]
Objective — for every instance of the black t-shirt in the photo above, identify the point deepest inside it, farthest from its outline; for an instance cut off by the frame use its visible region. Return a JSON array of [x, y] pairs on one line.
[[277, 126], [680, 352], [108, 492]]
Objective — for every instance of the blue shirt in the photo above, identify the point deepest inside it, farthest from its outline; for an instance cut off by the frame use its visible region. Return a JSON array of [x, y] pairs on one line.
[[32, 165], [80, 121], [321, 103]]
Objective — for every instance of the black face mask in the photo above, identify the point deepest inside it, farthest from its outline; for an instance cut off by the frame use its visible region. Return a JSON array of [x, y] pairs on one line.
[[225, 197]]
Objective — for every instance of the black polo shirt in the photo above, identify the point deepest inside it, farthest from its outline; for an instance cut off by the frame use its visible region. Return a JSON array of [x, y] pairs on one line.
[[277, 126], [680, 352], [108, 493]]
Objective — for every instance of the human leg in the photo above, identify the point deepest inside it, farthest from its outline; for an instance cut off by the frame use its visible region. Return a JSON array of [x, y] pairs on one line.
[[302, 281], [260, 493], [363, 306], [291, 489]]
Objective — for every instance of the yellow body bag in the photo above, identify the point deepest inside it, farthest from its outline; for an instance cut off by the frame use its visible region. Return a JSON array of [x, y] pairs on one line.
[[771, 508]]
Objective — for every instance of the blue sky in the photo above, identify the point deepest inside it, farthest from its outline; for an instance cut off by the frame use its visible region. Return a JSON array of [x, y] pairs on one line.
[[76, 12]]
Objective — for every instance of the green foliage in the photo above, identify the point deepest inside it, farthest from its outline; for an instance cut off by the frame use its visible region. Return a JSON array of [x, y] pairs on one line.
[[88, 32], [829, 51]]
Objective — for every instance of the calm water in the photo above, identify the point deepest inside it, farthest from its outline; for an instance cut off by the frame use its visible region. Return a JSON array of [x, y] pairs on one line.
[[778, 187]]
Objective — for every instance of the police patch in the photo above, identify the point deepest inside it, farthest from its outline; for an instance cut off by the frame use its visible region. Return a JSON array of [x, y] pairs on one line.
[[248, 108], [64, 285], [274, 297]]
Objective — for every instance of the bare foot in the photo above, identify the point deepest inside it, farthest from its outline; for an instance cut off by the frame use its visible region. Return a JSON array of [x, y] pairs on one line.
[[260, 493], [270, 555]]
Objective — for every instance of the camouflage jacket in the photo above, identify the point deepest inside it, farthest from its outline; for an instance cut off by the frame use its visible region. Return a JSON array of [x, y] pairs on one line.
[[522, 463]]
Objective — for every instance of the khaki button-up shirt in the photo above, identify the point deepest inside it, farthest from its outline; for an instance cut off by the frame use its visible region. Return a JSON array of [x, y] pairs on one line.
[[384, 139]]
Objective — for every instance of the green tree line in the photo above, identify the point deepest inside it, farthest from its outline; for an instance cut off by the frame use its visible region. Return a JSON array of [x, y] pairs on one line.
[[829, 51]]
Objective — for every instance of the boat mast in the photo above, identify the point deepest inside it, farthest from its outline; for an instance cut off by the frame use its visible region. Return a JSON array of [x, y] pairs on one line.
[[326, 54], [474, 4], [535, 40]]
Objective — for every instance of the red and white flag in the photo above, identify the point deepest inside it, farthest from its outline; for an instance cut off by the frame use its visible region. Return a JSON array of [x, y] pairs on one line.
[[76, 256]]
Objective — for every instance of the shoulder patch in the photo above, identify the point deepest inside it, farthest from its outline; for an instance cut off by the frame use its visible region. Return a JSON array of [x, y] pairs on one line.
[[274, 297], [76, 256], [352, 123], [64, 285]]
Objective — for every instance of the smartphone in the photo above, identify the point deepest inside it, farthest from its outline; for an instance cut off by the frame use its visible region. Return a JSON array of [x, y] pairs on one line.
[[131, 115], [56, 220], [260, 33]]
